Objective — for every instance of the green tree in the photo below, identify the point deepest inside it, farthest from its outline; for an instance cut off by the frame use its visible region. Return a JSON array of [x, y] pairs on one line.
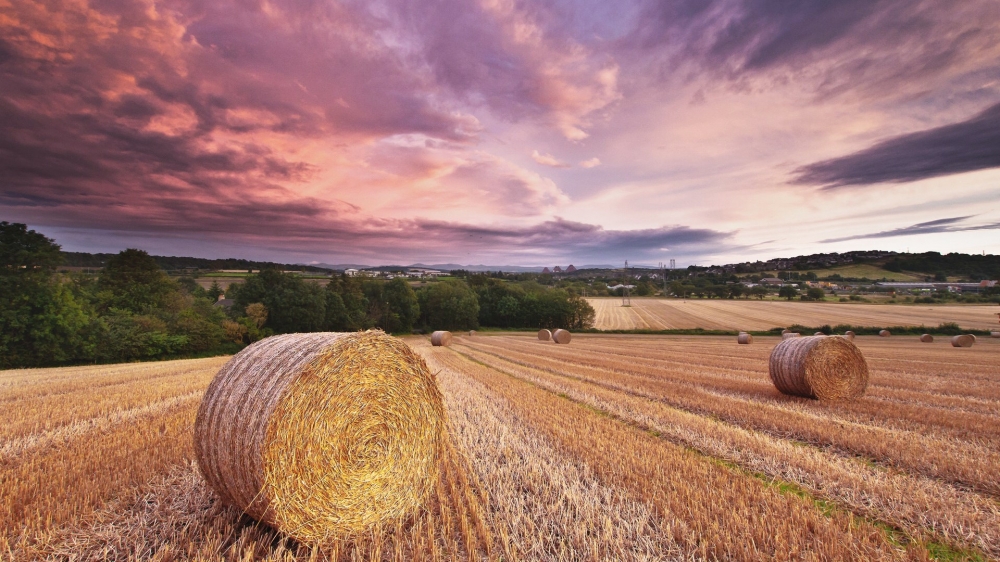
[[449, 305], [133, 281], [292, 304], [404, 309], [788, 292], [759, 291], [814, 294], [41, 322], [215, 291]]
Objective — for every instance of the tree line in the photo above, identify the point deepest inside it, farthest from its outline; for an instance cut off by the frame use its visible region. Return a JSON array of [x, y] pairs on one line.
[[132, 310]]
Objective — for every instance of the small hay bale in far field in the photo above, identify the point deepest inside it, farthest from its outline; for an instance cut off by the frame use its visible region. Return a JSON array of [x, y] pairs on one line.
[[819, 367], [849, 335], [819, 334], [322, 435], [995, 334], [964, 340], [544, 335], [789, 335], [786, 331], [561, 336], [884, 333], [472, 332], [441, 338], [927, 338], [744, 338]]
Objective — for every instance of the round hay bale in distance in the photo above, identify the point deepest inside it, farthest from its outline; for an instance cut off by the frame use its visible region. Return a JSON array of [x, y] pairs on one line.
[[544, 335], [964, 340], [786, 331], [819, 334], [884, 333], [472, 332], [995, 334], [561, 336], [322, 435], [819, 367], [849, 335], [927, 338], [441, 338], [789, 335], [744, 338]]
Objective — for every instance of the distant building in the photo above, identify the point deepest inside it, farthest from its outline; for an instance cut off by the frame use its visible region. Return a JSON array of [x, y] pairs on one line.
[[771, 281], [351, 272], [620, 286], [557, 269], [570, 269], [224, 302], [545, 270]]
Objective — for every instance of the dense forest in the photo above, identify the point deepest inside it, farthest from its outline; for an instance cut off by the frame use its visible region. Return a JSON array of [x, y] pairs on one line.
[[132, 310]]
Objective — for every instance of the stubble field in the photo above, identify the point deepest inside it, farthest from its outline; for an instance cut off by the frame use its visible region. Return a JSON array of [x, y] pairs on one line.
[[725, 314], [610, 448]]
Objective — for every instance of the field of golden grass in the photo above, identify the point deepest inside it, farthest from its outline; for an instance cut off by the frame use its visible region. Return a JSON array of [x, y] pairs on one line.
[[614, 447], [724, 314]]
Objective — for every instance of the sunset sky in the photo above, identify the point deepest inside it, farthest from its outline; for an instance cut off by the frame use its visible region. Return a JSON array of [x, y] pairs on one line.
[[499, 132]]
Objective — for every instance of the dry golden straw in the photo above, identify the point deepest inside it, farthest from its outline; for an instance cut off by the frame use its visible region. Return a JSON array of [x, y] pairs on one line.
[[441, 338], [561, 336], [927, 338], [884, 333], [544, 335], [819, 367], [744, 338], [788, 335], [849, 335], [964, 340], [322, 435]]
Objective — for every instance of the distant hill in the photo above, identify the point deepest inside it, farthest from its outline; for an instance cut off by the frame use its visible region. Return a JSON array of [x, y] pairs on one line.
[[174, 263]]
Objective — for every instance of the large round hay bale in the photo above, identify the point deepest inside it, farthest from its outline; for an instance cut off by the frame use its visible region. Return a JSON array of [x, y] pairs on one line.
[[322, 435], [964, 340], [544, 335], [927, 338], [441, 338], [561, 336], [789, 335], [884, 333], [819, 367], [849, 335], [744, 338]]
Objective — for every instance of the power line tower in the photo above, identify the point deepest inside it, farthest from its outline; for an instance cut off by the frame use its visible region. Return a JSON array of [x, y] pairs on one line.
[[663, 273], [673, 263], [626, 299]]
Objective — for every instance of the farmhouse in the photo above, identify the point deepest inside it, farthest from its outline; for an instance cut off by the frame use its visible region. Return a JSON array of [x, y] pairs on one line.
[[772, 281]]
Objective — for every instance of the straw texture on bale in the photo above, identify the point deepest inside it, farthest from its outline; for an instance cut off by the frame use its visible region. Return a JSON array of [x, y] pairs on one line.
[[744, 338], [544, 335], [927, 338], [819, 367], [884, 333], [441, 338], [849, 335], [561, 336], [964, 340], [322, 435], [789, 335]]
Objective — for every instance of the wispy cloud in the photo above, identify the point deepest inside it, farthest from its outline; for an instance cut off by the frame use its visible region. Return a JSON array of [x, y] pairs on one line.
[[591, 163], [968, 146], [929, 227], [548, 160]]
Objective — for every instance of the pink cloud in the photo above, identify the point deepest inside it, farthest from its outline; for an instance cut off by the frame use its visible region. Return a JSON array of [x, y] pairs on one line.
[[548, 160]]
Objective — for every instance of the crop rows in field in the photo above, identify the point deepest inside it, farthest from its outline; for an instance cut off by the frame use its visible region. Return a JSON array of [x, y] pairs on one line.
[[725, 314], [611, 448]]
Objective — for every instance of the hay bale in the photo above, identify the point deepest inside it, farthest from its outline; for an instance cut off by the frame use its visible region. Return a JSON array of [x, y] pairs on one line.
[[789, 335], [744, 338], [472, 332], [927, 338], [995, 334], [786, 331], [441, 338], [322, 435], [819, 334], [819, 367], [544, 335], [561, 336], [964, 340], [884, 333], [849, 335]]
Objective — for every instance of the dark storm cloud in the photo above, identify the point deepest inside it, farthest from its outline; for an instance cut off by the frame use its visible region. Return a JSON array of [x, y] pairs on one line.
[[952, 149], [929, 227]]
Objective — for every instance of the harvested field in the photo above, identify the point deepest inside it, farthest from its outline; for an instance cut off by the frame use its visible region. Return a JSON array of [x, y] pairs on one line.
[[724, 314], [616, 447]]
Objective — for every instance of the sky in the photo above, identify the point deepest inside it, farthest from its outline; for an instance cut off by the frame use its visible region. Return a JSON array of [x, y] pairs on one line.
[[531, 133]]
